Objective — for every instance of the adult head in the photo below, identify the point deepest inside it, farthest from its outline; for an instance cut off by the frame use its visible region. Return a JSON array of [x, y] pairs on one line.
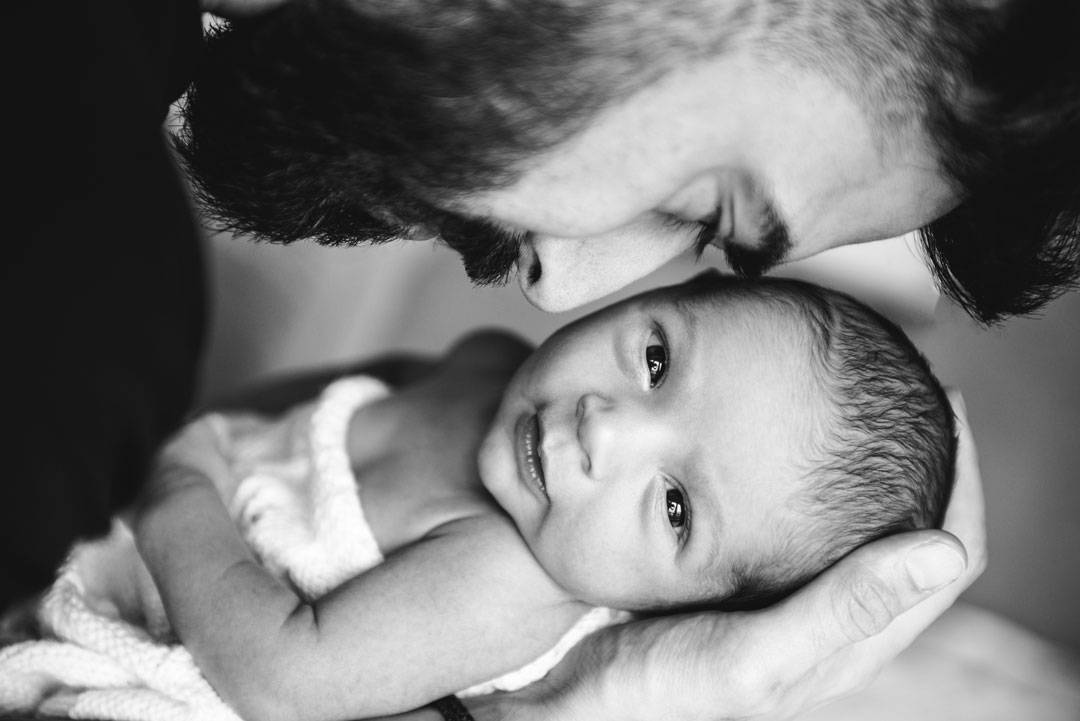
[[589, 142]]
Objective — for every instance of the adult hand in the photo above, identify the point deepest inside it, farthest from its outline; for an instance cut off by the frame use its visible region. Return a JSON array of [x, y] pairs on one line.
[[826, 641]]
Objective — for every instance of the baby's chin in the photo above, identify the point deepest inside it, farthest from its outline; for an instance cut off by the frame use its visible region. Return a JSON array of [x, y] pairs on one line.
[[496, 463]]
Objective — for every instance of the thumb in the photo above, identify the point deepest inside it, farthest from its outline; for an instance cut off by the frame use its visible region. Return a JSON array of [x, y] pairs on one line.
[[862, 594]]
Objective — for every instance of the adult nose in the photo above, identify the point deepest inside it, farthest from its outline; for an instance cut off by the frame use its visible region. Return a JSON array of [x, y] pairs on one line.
[[558, 273], [616, 436]]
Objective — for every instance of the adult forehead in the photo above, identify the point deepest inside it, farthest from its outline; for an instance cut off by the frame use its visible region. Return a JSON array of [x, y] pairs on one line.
[[885, 52]]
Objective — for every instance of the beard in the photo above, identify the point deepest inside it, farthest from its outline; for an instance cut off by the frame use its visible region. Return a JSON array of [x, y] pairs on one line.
[[317, 121]]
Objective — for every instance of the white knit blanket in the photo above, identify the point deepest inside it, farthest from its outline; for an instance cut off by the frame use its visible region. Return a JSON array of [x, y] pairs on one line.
[[91, 662], [106, 650]]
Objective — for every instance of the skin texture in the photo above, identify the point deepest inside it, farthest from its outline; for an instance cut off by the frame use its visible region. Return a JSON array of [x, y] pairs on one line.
[[598, 209], [456, 585], [764, 664], [717, 428], [647, 396], [507, 585], [833, 636]]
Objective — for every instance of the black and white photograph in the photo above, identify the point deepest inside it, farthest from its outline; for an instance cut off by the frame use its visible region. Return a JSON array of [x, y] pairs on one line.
[[543, 360]]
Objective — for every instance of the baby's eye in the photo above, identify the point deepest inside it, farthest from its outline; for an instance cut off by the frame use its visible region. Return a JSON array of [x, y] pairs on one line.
[[676, 510], [656, 360]]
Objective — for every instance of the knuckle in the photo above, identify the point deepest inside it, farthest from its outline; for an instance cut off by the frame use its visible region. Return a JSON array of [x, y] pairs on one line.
[[869, 608]]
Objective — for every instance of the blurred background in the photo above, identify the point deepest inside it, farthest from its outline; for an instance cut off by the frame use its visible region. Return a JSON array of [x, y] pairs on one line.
[[279, 308]]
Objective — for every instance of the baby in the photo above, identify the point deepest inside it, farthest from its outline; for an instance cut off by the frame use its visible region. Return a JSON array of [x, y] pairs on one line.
[[712, 444]]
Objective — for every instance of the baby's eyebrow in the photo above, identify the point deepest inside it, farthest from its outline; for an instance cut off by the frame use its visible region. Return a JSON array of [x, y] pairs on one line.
[[623, 356], [686, 312], [700, 481], [706, 516]]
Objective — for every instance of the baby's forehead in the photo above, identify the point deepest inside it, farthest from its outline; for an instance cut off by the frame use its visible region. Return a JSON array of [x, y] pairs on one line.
[[764, 535], [774, 315]]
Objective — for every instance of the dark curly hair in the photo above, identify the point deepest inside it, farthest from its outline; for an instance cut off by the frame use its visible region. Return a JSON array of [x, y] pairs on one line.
[[1011, 140]]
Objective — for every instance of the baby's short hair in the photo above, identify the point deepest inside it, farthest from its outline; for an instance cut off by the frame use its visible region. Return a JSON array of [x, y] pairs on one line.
[[884, 460]]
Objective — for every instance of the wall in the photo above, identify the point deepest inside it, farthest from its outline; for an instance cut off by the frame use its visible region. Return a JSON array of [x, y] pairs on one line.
[[1021, 384]]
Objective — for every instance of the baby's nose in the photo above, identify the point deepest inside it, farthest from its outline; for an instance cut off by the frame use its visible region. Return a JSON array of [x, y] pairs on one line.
[[615, 437]]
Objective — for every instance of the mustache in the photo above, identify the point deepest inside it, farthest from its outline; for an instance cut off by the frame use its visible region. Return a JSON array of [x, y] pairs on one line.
[[488, 252], [771, 250]]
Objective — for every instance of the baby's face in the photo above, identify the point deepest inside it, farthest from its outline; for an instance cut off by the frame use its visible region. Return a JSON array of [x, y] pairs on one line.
[[646, 450]]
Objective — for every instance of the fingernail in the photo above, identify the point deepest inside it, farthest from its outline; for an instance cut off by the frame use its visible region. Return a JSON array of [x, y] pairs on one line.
[[934, 565]]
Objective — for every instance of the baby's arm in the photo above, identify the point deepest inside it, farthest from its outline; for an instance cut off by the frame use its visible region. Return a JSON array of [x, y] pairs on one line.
[[461, 606]]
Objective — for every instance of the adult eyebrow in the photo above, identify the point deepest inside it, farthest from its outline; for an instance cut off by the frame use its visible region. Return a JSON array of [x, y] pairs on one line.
[[770, 248], [772, 224], [706, 235], [771, 244]]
